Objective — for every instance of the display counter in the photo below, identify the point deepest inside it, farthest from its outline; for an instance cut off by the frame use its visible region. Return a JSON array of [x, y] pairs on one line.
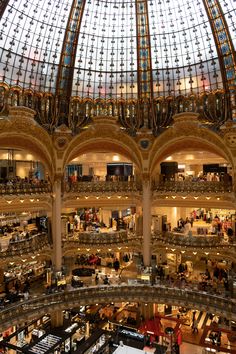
[[93, 343]]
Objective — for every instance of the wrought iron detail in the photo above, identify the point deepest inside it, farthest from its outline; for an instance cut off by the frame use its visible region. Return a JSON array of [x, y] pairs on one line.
[[67, 62], [226, 53]]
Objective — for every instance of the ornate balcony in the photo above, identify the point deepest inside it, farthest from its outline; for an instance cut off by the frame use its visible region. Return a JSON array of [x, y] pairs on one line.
[[159, 240], [33, 244], [189, 187], [103, 187], [178, 239], [24, 311], [24, 188], [98, 238], [129, 113]]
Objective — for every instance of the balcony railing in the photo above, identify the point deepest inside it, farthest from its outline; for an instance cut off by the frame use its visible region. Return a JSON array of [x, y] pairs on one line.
[[178, 239], [135, 241], [193, 187], [24, 188], [103, 187], [26, 246], [37, 306], [99, 237], [210, 105]]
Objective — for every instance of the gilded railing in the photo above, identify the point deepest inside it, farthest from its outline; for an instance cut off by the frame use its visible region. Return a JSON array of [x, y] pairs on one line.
[[24, 188], [134, 241], [180, 239], [103, 187], [39, 305], [98, 237], [26, 246], [192, 187], [129, 113]]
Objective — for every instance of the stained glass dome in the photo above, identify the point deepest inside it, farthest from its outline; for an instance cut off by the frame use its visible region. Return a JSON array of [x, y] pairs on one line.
[[119, 49]]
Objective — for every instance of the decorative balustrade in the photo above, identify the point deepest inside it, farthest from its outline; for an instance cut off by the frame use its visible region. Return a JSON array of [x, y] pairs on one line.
[[178, 239], [130, 113], [37, 306], [103, 187], [193, 187], [26, 246], [99, 238], [24, 188], [158, 238]]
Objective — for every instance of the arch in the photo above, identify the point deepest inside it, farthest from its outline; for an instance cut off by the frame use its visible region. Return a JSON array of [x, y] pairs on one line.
[[26, 135], [107, 137], [187, 134]]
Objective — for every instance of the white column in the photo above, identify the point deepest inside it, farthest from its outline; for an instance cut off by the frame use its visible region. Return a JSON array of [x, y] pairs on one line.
[[56, 223], [146, 223]]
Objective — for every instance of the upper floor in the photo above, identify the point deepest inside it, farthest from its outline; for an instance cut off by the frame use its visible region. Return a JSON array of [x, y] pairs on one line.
[[187, 164]]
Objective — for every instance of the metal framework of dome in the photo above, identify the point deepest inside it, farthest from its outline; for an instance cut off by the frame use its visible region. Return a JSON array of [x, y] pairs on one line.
[[140, 60]]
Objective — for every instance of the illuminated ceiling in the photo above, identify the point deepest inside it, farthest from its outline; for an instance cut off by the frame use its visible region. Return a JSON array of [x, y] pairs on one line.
[[115, 49]]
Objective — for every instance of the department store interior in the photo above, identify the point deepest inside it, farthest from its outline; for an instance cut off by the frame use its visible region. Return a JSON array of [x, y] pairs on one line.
[[117, 177]]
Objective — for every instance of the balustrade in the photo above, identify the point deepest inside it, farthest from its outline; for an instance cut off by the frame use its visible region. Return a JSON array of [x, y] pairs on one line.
[[193, 187], [103, 187], [25, 246], [217, 304], [129, 113], [175, 238], [24, 188], [131, 239], [99, 237]]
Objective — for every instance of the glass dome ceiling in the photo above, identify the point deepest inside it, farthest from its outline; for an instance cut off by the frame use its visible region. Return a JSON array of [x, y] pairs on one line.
[[118, 49]]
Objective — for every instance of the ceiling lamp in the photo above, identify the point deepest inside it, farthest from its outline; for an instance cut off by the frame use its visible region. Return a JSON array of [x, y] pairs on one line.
[[116, 158]]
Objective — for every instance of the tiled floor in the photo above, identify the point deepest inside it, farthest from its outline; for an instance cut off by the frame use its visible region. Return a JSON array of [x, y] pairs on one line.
[[187, 348]]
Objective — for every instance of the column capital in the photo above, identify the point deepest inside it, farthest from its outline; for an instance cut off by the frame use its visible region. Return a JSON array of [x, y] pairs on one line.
[[146, 177], [58, 177]]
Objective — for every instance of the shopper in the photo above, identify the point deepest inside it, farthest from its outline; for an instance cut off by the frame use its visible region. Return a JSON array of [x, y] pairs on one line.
[[194, 326], [106, 280]]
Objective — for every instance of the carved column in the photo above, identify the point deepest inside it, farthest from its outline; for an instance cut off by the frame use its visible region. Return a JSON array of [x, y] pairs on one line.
[[146, 220], [56, 225]]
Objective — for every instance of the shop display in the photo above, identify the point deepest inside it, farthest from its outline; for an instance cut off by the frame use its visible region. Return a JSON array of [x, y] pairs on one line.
[[49, 342]]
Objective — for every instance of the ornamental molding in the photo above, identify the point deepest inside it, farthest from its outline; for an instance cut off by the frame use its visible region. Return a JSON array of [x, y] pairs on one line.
[[187, 130], [21, 127], [228, 131], [106, 133]]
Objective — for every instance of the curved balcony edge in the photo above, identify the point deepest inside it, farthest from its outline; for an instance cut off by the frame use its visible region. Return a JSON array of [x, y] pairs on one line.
[[38, 306]]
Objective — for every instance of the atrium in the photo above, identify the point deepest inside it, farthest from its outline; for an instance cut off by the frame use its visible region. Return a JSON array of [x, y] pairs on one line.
[[117, 176]]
